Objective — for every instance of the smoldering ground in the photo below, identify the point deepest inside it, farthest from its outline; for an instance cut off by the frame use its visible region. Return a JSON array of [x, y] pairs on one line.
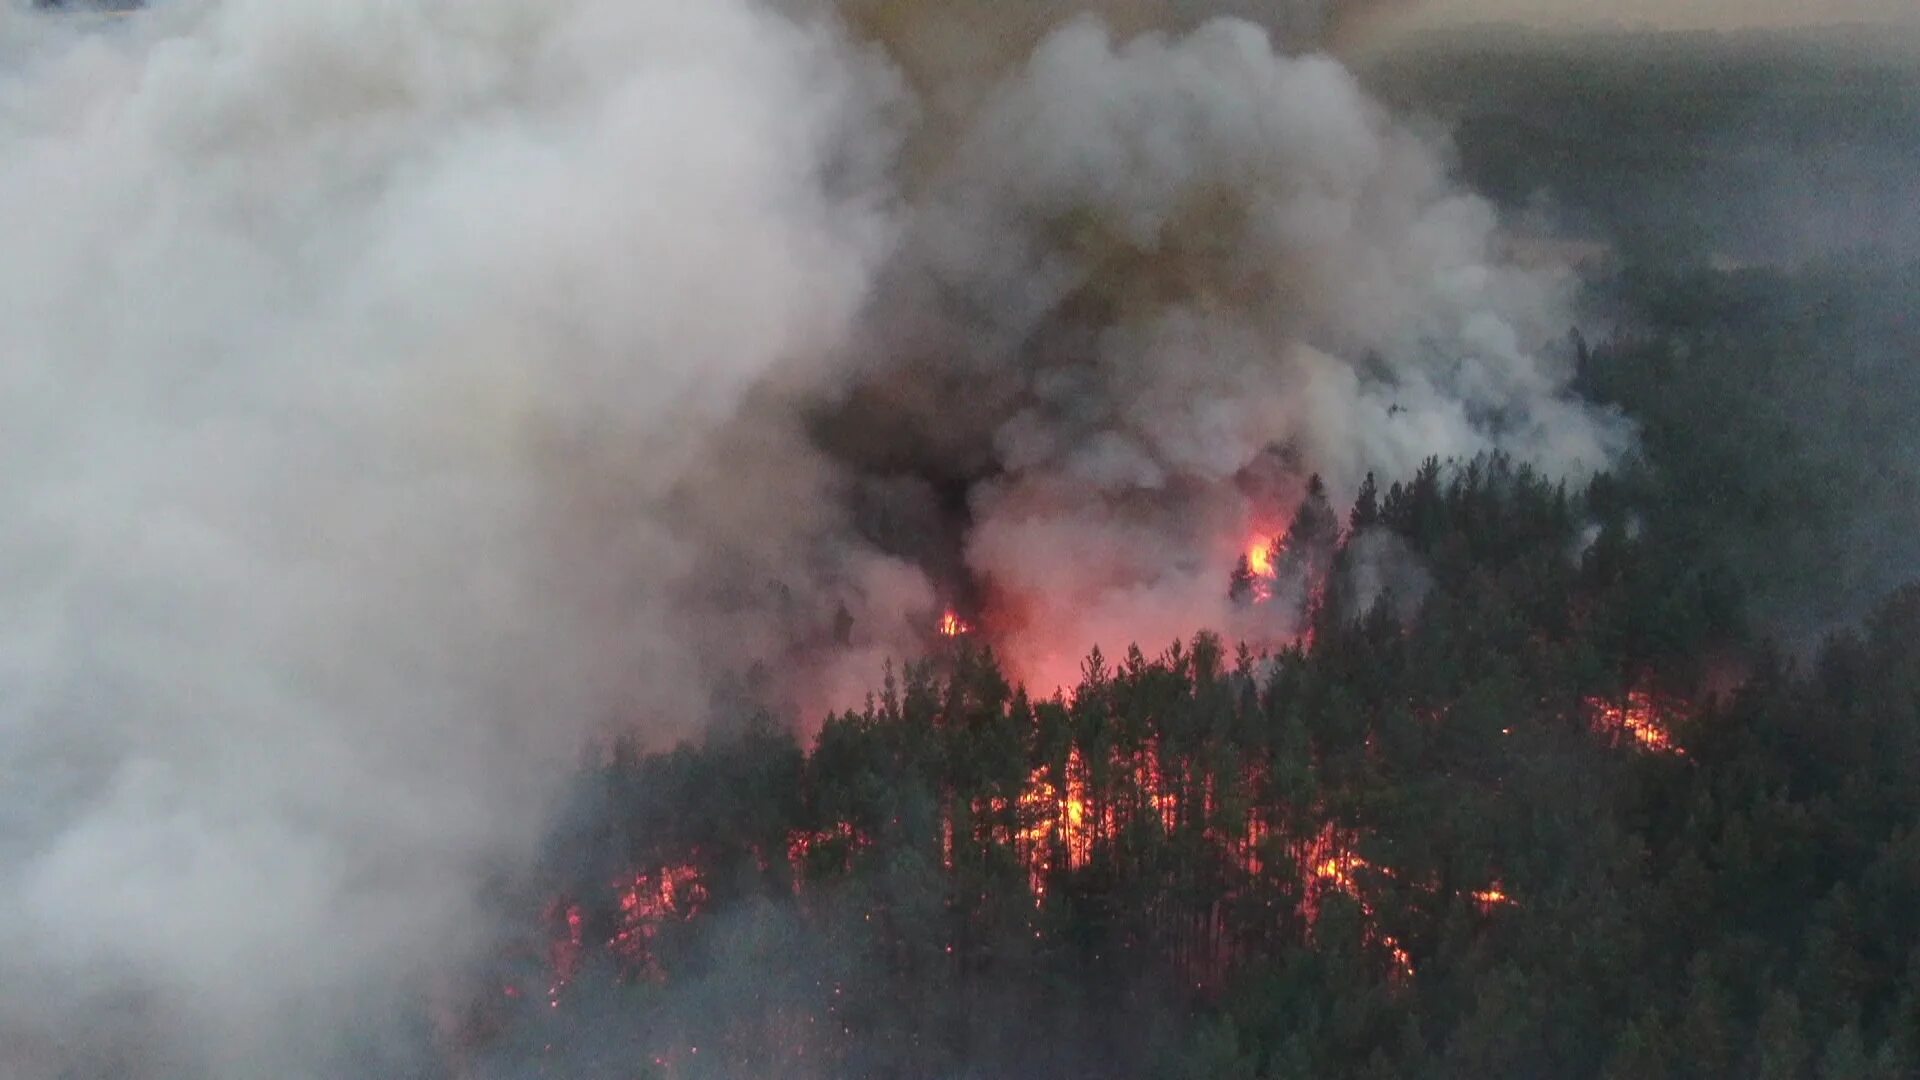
[[397, 396]]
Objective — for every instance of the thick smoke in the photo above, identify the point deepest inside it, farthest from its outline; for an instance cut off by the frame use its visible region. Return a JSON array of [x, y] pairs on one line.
[[1160, 281], [397, 395], [351, 354], [954, 52]]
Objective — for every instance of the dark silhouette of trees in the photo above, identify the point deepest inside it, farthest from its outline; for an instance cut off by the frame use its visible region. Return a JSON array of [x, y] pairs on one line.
[[1517, 830]]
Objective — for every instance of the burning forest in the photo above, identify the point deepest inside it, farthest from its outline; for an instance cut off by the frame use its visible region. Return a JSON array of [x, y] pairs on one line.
[[912, 539], [1189, 818]]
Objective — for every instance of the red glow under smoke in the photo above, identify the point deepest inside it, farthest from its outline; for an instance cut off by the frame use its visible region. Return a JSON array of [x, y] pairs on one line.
[[1643, 717], [647, 901], [1082, 813]]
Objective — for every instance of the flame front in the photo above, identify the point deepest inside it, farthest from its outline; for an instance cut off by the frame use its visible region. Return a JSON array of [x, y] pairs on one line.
[[1074, 815], [952, 625]]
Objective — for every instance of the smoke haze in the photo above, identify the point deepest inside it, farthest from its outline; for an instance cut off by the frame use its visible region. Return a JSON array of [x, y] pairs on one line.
[[1750, 192], [1676, 14], [396, 396], [349, 348], [1162, 280]]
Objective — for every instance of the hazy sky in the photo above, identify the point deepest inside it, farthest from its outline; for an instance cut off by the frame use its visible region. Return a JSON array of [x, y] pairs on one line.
[[1680, 14]]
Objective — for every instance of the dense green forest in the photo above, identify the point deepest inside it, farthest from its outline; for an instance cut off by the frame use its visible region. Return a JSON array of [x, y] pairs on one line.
[[1775, 411], [1520, 829], [1747, 199]]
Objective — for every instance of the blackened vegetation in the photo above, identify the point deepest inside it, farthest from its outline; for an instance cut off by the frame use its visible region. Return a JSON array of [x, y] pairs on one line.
[[1408, 849]]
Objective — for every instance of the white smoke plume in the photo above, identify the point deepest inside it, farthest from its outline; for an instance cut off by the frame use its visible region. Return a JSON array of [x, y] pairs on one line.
[[350, 354], [1155, 270], [394, 395]]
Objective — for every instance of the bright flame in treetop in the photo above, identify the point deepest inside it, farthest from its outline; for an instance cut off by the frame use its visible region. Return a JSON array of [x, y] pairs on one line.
[[952, 625], [1260, 556]]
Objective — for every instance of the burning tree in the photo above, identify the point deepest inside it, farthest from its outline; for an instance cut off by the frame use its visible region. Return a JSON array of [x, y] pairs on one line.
[[1357, 817]]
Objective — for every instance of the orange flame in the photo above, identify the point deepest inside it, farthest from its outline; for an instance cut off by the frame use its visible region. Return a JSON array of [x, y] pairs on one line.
[[1332, 861], [801, 845], [1491, 897], [952, 625], [646, 901], [1050, 816], [1260, 551], [1260, 556], [1640, 717]]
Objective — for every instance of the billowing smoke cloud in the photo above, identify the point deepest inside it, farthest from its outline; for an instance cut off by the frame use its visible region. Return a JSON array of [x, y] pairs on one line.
[[397, 394], [955, 51], [351, 352], [1156, 284]]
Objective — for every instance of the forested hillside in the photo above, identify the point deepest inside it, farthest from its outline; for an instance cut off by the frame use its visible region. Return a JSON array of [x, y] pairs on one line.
[[1747, 205], [956, 540], [1614, 779], [1775, 411], [1517, 825]]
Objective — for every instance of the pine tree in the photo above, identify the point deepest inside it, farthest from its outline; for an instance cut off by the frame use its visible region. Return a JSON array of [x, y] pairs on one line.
[[1315, 528], [1366, 508], [1303, 555], [1240, 583]]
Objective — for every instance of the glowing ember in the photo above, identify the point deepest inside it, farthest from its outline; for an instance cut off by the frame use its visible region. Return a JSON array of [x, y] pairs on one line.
[[1038, 802], [646, 901], [1641, 716], [565, 950], [1078, 835], [1402, 963], [1491, 897], [1332, 862], [838, 843], [952, 625], [1050, 819], [1151, 780]]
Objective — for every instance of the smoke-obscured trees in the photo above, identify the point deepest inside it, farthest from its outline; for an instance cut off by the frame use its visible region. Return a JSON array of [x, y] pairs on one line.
[[1428, 840]]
